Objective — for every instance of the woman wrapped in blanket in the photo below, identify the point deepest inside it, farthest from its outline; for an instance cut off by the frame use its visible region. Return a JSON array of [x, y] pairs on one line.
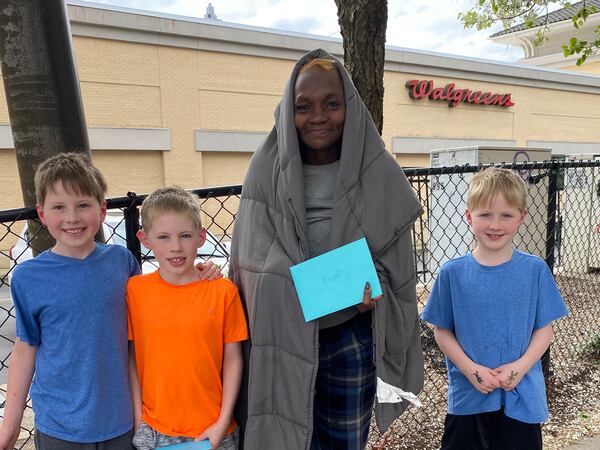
[[322, 179]]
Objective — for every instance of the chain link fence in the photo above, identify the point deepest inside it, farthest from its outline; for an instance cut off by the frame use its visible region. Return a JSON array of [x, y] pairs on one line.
[[562, 227]]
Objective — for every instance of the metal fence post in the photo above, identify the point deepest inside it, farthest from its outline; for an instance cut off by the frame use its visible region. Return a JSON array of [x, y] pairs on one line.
[[132, 220], [550, 240]]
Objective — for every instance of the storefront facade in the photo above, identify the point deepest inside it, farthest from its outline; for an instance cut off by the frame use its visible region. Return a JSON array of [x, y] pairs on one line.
[[172, 100]]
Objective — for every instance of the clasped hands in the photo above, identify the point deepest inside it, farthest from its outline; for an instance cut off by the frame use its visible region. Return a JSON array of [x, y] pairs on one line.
[[486, 380]]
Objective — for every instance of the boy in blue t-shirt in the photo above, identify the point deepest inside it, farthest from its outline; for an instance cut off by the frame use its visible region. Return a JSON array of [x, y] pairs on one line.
[[492, 311], [72, 321]]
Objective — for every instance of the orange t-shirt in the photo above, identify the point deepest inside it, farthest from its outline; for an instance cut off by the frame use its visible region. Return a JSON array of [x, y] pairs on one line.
[[179, 334]]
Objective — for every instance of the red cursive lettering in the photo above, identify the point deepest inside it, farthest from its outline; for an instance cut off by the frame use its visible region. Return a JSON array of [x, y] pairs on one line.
[[420, 89]]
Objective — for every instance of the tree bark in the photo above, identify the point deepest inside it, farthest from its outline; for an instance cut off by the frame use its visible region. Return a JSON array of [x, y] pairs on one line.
[[363, 24], [42, 91]]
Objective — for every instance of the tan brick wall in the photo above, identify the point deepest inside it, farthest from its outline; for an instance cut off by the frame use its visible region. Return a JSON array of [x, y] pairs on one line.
[[11, 198], [223, 169], [143, 85], [240, 111], [241, 73], [413, 159], [3, 109], [538, 114], [425, 118], [136, 171], [115, 62], [121, 105], [9, 181], [588, 67]]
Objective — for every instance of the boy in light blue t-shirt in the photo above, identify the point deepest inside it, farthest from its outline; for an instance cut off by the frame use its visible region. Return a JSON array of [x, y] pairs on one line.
[[72, 321], [492, 311]]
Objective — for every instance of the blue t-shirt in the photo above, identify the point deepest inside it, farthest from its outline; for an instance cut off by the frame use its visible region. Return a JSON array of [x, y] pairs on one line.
[[74, 312], [493, 311]]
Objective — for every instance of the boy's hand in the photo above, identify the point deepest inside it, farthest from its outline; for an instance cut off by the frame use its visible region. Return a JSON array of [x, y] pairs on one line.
[[509, 375], [483, 378], [214, 433], [8, 437], [209, 271], [368, 303]]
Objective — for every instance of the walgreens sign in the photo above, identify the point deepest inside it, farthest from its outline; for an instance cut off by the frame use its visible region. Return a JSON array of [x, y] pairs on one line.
[[420, 89]]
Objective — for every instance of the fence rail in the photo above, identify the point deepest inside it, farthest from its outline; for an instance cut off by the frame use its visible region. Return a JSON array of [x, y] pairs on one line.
[[562, 227]]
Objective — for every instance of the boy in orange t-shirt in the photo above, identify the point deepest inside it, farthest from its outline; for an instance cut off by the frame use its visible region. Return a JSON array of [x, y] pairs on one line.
[[185, 334]]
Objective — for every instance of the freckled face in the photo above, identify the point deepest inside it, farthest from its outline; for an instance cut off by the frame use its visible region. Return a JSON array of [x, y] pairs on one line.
[[320, 112]]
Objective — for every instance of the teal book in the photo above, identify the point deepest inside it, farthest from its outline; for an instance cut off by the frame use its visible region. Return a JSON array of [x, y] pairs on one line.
[[194, 445], [335, 280]]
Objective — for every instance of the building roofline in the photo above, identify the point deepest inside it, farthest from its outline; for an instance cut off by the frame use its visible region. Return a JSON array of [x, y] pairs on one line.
[[560, 15], [132, 25], [199, 20]]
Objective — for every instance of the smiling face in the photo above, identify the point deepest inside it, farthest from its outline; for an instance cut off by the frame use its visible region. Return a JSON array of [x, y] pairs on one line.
[[174, 239], [494, 226], [319, 114], [73, 219]]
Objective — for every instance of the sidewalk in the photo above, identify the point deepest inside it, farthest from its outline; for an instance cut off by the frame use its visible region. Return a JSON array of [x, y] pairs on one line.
[[587, 444]]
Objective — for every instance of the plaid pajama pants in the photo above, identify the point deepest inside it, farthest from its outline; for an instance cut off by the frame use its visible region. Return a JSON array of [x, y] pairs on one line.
[[345, 386]]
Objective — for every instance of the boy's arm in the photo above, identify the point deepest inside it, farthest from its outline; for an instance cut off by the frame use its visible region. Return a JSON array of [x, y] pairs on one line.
[[20, 374], [509, 375], [482, 378], [136, 390], [232, 378]]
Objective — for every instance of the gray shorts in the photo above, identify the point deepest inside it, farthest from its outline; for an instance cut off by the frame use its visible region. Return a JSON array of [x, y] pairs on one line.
[[45, 442], [147, 438]]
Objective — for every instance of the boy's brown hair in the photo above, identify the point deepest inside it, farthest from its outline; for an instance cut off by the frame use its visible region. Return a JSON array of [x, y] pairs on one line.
[[171, 199], [485, 185], [75, 171]]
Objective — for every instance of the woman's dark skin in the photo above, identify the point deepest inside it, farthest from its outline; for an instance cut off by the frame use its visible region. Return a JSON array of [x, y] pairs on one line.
[[319, 115]]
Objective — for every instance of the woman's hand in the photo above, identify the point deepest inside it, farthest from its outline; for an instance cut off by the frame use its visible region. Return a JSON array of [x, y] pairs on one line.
[[368, 303], [208, 270]]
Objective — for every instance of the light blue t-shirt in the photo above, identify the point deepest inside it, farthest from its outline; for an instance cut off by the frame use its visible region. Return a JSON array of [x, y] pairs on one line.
[[493, 311], [74, 312]]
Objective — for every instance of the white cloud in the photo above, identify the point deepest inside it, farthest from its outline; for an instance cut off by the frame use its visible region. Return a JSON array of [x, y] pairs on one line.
[[419, 24]]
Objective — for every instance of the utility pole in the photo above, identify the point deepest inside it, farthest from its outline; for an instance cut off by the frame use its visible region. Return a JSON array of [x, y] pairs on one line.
[[42, 91]]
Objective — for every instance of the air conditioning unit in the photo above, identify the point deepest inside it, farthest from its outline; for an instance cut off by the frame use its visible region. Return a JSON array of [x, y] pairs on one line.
[[580, 239]]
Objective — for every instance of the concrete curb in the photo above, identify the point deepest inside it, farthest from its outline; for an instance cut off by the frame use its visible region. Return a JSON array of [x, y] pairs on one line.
[[592, 443]]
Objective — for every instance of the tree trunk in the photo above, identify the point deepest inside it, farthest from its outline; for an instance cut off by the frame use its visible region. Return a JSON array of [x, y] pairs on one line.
[[363, 25], [42, 90]]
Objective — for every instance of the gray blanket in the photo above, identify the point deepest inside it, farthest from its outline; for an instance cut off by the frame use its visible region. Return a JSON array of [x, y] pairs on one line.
[[373, 199]]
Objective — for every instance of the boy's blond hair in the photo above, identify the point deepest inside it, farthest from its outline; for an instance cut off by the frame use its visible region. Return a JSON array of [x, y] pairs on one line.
[[171, 199], [485, 185], [75, 171]]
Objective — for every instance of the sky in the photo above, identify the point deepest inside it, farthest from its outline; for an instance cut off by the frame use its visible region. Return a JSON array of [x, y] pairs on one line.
[[430, 25]]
